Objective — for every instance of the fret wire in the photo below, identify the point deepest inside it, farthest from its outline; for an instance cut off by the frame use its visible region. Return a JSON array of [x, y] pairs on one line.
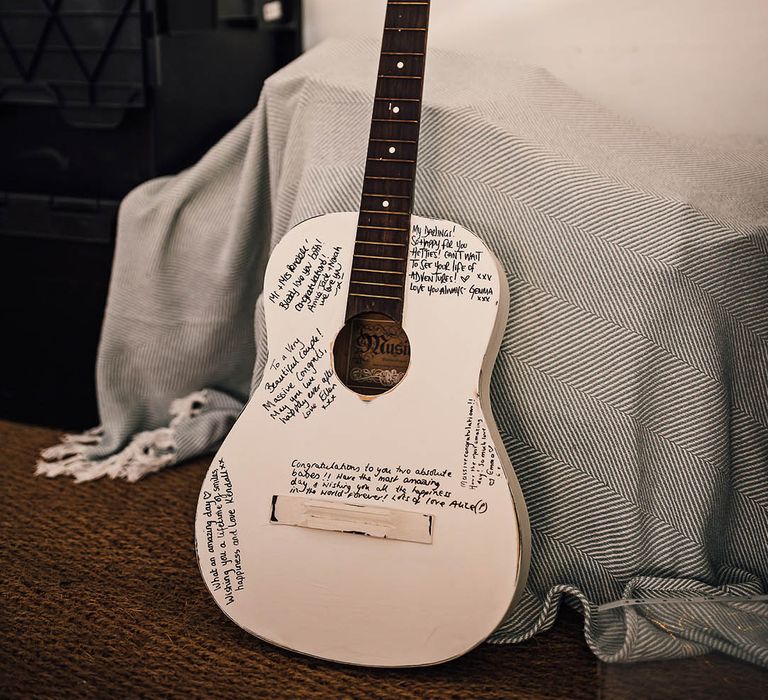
[[401, 53], [385, 196], [401, 77], [404, 29], [398, 99], [398, 245], [392, 141], [391, 160], [382, 272], [376, 284], [378, 257], [374, 296], [382, 120], [388, 213], [383, 228], [381, 177]]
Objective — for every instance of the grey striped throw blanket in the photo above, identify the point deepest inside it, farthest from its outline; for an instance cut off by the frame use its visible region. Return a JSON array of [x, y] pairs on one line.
[[631, 387]]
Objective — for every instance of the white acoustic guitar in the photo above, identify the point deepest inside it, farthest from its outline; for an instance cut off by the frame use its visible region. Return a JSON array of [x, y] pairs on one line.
[[363, 508]]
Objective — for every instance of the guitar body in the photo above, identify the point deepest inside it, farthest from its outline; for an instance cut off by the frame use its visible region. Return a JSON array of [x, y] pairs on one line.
[[383, 530]]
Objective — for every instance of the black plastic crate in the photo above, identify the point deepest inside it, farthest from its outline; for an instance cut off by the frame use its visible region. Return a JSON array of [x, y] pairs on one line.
[[73, 53], [97, 96]]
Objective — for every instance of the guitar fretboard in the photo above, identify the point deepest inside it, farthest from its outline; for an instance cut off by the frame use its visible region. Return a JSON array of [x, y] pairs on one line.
[[378, 277]]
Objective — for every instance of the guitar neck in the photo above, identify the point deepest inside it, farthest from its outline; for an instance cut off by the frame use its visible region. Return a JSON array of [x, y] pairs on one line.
[[378, 279]]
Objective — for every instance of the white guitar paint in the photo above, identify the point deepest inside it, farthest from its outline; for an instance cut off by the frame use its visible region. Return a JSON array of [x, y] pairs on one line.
[[420, 470]]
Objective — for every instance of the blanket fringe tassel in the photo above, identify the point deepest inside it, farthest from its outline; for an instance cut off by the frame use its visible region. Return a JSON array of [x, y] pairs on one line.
[[146, 453]]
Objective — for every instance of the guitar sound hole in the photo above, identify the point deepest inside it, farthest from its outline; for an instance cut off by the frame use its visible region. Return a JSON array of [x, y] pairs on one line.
[[371, 354]]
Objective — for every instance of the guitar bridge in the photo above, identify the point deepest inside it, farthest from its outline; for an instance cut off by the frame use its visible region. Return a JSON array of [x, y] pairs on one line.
[[371, 521]]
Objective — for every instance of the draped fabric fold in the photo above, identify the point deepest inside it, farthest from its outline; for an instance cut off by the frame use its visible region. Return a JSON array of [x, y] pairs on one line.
[[631, 390]]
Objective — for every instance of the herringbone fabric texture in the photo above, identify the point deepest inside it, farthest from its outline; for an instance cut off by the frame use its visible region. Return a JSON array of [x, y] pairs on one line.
[[631, 389]]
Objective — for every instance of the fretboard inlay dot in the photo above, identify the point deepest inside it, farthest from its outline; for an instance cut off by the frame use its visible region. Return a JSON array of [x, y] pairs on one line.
[[396, 109], [385, 204], [400, 65]]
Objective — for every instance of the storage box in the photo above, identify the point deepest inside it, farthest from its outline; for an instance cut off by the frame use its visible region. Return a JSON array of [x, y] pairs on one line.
[[97, 96]]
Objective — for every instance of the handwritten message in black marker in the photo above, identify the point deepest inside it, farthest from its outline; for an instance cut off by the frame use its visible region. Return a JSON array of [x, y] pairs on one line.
[[224, 565], [441, 264], [313, 275], [368, 483], [300, 381], [480, 467]]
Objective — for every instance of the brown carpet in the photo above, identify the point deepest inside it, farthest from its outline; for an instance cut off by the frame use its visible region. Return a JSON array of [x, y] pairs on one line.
[[102, 598]]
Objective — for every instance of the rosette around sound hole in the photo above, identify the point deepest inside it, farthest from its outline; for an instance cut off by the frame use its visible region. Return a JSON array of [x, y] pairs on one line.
[[371, 354]]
